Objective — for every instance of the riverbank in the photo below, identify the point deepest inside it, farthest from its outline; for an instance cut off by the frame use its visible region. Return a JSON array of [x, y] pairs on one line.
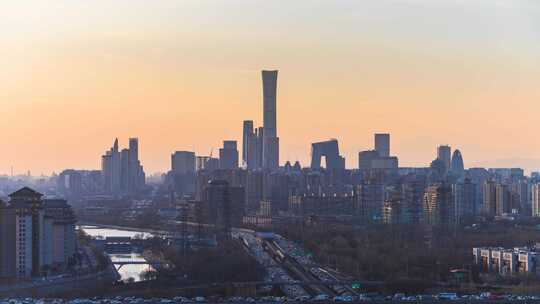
[[130, 265]]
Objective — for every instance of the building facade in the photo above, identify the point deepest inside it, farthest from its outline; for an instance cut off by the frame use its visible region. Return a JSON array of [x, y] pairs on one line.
[[122, 170], [183, 162], [382, 144], [270, 138], [439, 205], [535, 198], [444, 155], [35, 236], [228, 155]]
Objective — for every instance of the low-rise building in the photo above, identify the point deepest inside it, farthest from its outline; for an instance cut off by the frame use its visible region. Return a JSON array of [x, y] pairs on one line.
[[507, 261]]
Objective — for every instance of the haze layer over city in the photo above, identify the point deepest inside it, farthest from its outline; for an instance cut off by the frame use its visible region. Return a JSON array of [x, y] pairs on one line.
[[310, 151], [181, 74]]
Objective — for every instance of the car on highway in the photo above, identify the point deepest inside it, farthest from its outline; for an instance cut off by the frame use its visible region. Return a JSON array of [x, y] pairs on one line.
[[447, 296], [321, 297], [343, 299]]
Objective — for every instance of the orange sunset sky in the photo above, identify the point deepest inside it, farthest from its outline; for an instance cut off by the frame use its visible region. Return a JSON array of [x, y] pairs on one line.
[[183, 75]]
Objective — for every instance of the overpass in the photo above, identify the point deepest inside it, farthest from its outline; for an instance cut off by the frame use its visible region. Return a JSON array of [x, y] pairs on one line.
[[120, 264]]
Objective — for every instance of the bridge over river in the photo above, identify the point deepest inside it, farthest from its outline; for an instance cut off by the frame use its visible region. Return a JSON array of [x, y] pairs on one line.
[[117, 242]]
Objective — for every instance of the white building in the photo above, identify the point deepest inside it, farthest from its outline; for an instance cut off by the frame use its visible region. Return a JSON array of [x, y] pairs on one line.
[[23, 245], [507, 261]]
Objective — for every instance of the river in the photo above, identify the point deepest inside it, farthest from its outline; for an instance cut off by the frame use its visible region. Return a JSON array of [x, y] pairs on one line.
[[126, 271]]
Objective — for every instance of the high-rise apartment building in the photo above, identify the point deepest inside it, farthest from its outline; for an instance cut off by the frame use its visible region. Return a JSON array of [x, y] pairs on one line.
[[463, 195], [521, 191], [502, 199], [489, 194], [368, 201], [469, 198], [439, 208], [535, 196], [59, 232], [7, 241], [395, 211], [412, 193], [34, 235]]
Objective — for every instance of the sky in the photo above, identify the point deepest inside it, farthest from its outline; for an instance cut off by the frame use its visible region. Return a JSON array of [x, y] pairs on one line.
[[183, 75]]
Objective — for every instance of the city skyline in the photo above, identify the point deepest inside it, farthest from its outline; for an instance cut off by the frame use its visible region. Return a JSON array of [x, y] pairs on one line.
[[255, 151], [456, 76]]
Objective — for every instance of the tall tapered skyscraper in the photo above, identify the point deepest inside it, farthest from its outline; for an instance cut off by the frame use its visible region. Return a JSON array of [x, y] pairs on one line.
[[270, 139]]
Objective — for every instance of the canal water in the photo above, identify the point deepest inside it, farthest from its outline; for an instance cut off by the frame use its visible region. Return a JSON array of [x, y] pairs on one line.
[[126, 271]]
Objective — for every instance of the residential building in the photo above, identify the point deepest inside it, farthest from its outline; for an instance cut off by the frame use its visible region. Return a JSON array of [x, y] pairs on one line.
[[535, 195], [36, 236], [439, 208]]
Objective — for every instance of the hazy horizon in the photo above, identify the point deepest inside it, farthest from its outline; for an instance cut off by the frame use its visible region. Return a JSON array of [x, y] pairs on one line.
[[183, 75]]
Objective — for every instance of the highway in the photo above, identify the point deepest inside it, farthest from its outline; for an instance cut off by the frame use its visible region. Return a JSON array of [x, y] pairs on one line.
[[297, 271], [315, 280]]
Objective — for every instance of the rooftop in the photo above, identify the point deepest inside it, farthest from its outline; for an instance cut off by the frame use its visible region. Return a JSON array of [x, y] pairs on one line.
[[25, 192]]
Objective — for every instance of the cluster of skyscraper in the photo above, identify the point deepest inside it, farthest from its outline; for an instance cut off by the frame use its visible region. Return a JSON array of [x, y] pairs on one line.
[[121, 174], [122, 171], [446, 193], [377, 191], [260, 147]]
